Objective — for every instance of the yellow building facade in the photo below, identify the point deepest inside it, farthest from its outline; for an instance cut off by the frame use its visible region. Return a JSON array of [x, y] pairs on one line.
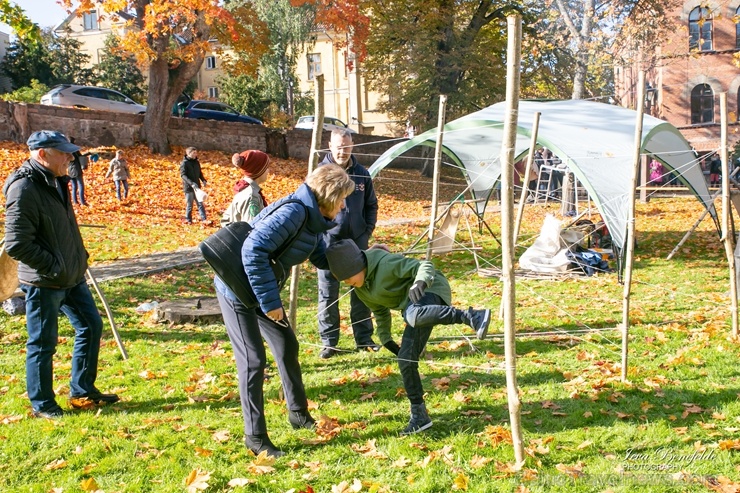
[[346, 95]]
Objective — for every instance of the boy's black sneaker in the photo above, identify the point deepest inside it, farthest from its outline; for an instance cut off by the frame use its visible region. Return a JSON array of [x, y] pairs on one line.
[[479, 320], [419, 421]]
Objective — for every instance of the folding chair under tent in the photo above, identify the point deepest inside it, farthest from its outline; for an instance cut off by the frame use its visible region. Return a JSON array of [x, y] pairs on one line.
[[595, 141]]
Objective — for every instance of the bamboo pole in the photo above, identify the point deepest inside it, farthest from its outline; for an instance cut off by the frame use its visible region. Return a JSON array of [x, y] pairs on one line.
[[108, 311], [508, 144], [313, 161], [630, 239], [525, 185], [527, 172], [435, 178], [727, 237]]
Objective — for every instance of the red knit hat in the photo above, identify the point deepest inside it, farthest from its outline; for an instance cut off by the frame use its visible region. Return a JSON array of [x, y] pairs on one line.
[[252, 163]]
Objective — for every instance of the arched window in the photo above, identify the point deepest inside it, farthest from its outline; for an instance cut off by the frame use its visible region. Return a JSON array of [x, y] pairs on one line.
[[700, 29], [702, 104]]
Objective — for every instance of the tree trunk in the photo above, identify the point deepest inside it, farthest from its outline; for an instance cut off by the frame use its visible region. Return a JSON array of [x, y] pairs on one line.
[[579, 78], [158, 113], [165, 85]]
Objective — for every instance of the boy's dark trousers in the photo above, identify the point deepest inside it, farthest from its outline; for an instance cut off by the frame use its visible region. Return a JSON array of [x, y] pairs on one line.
[[420, 319]]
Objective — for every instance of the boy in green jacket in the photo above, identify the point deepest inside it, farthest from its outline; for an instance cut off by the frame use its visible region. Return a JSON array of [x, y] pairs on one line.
[[387, 281]]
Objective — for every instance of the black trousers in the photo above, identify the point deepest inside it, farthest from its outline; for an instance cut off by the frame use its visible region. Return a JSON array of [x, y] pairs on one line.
[[420, 319], [246, 329]]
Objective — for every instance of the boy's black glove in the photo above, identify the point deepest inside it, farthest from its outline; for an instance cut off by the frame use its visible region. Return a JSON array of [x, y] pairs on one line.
[[417, 291], [392, 347]]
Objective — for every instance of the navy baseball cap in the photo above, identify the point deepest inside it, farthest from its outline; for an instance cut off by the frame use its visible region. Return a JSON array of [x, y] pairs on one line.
[[46, 139]]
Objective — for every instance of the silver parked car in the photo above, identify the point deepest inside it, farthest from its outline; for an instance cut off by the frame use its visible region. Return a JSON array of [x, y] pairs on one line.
[[91, 97], [330, 123]]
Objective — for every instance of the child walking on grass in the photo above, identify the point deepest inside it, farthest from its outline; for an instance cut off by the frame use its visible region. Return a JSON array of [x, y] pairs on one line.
[[119, 169]]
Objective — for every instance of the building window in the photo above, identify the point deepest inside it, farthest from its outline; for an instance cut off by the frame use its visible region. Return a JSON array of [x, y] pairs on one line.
[[314, 65], [90, 21], [700, 29], [210, 62], [702, 104], [213, 92], [737, 29]]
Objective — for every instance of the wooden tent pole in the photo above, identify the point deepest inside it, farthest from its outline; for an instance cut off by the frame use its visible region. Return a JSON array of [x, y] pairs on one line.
[[692, 229], [313, 161], [525, 189], [630, 239], [508, 145], [727, 236], [527, 172], [108, 311], [435, 179]]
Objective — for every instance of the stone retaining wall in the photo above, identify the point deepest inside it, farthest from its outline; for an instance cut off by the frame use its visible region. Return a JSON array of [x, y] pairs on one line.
[[92, 128]]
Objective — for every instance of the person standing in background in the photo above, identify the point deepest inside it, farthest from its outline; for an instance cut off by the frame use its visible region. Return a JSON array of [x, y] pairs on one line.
[[656, 173], [355, 222], [715, 171], [119, 169], [249, 200], [74, 171], [192, 178]]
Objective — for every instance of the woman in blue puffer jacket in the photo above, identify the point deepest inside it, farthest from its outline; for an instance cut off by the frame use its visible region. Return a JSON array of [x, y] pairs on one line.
[[316, 202]]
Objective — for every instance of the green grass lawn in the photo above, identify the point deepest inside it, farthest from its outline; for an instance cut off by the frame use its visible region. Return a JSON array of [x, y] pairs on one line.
[[674, 427]]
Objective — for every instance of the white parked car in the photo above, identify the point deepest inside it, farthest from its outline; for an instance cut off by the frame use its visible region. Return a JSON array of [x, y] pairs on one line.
[[91, 97], [330, 123]]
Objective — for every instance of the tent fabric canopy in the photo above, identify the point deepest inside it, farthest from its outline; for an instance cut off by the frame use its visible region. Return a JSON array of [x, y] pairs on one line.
[[594, 140]]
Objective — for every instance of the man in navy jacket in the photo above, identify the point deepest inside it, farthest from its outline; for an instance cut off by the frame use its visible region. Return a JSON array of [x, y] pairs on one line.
[[355, 222]]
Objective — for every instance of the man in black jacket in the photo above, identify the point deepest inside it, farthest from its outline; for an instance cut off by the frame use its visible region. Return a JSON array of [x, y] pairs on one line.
[[42, 234], [192, 177], [355, 222]]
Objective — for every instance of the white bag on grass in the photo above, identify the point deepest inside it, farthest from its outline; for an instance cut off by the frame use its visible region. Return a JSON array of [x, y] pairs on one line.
[[546, 253]]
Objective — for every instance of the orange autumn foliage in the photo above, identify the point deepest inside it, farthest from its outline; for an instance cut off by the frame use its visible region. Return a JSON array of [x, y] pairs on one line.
[[156, 196]]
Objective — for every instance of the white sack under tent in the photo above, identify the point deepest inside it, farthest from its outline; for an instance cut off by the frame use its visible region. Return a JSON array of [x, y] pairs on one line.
[[595, 140]]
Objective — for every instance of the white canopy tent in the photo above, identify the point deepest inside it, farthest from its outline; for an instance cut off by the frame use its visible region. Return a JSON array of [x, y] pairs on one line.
[[595, 141]]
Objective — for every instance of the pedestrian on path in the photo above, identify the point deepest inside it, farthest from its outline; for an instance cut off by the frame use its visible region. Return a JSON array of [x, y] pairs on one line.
[[42, 234]]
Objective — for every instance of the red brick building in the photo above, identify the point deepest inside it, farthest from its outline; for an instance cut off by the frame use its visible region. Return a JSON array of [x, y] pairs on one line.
[[688, 72]]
